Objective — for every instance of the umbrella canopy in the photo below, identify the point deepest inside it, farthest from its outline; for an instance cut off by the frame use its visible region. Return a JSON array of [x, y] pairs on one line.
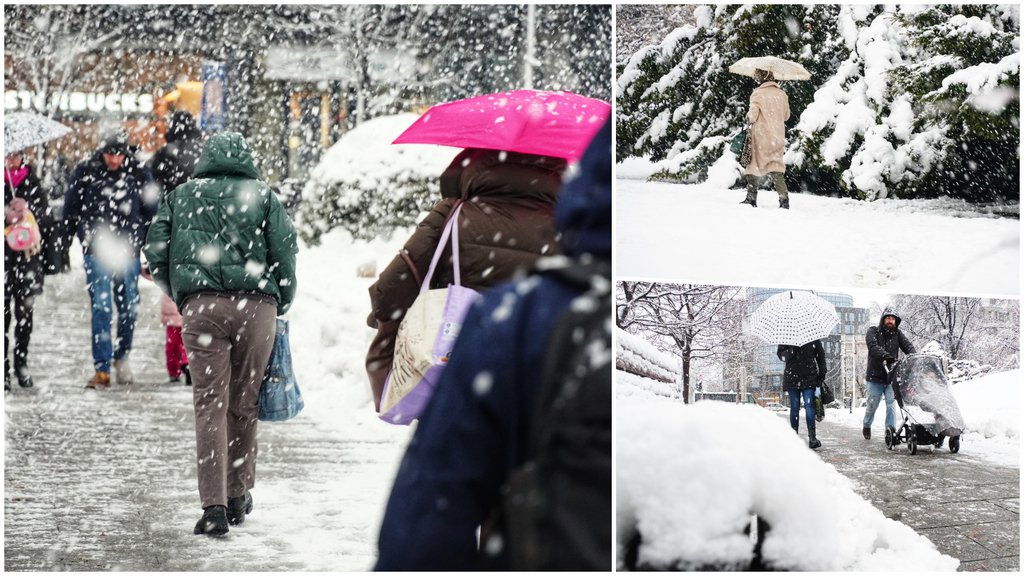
[[25, 129], [781, 68], [558, 124], [793, 318]]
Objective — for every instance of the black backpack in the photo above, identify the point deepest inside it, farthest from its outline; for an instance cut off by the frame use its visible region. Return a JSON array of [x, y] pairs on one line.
[[556, 508]]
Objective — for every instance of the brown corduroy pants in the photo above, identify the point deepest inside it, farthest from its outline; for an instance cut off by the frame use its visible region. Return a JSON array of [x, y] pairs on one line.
[[229, 338]]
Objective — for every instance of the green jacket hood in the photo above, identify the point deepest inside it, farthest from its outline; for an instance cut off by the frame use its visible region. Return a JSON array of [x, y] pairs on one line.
[[226, 154]]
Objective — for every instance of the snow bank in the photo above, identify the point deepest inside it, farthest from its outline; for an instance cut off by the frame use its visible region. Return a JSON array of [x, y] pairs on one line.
[[690, 490], [637, 356], [991, 405]]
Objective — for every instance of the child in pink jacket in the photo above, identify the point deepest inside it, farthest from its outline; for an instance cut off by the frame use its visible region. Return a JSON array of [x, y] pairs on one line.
[[177, 359]]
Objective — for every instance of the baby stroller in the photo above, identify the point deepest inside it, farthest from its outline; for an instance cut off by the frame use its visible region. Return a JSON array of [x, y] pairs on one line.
[[919, 381]]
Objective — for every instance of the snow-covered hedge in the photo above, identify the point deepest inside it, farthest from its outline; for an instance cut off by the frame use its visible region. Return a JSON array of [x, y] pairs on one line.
[[686, 492], [637, 356], [632, 386], [368, 186]]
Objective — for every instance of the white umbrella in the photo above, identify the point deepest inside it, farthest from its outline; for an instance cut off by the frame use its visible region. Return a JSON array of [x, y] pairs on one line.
[[25, 129], [781, 68], [793, 317]]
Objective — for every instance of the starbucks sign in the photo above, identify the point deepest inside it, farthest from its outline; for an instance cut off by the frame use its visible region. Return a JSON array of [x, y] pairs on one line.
[[79, 102]]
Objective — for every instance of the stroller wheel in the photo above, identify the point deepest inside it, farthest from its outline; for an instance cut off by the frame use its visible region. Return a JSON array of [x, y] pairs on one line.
[[954, 444], [912, 442], [889, 433]]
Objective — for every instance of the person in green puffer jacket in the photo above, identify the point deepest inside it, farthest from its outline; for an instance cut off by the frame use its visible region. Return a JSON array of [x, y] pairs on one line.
[[223, 248]]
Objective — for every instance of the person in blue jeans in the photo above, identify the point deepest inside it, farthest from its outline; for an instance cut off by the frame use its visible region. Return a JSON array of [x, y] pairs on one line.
[[805, 372], [109, 203], [884, 344]]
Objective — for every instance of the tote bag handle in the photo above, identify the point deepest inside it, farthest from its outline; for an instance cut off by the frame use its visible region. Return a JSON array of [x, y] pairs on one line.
[[451, 229]]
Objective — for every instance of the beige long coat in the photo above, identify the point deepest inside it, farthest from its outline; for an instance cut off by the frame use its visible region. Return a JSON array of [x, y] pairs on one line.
[[769, 110]]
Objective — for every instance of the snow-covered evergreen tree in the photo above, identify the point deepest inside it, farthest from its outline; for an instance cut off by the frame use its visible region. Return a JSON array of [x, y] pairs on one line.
[[904, 101]]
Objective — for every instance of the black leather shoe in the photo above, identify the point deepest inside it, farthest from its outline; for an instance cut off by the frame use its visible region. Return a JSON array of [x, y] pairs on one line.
[[238, 507], [867, 433], [214, 521]]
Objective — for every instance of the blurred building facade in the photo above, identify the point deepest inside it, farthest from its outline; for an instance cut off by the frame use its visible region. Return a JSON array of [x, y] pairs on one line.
[[297, 76]]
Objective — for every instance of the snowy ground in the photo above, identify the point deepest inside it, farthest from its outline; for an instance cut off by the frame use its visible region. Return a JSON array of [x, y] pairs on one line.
[[990, 406], [689, 476], [125, 482], [701, 233]]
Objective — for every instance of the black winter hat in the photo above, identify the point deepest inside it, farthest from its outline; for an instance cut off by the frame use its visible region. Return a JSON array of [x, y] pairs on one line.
[[181, 124], [116, 143]]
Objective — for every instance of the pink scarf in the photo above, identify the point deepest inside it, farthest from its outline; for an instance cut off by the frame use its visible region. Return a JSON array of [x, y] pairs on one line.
[[14, 178]]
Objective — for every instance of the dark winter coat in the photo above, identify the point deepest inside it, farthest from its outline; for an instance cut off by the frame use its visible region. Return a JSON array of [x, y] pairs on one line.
[[805, 365], [223, 231], [121, 202], [467, 442], [24, 275], [173, 164], [506, 223], [884, 344]]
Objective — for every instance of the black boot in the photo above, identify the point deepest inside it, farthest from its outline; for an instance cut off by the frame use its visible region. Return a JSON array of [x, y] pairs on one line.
[[188, 375], [214, 521], [867, 433], [784, 203], [750, 201], [24, 378], [238, 507], [812, 439]]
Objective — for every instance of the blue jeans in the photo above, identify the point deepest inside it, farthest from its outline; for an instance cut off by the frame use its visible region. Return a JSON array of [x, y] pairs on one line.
[[121, 286], [794, 407], [875, 392]]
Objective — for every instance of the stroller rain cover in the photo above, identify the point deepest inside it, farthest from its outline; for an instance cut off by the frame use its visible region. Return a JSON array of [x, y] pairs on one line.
[[921, 382]]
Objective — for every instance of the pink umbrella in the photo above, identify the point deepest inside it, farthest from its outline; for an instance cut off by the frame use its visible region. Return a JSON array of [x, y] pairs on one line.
[[558, 124]]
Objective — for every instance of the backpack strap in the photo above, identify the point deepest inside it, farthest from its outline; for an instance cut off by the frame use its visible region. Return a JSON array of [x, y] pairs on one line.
[[451, 230], [593, 276]]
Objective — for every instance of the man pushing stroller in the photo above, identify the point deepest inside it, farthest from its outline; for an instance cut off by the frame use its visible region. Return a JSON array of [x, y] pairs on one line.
[[884, 344]]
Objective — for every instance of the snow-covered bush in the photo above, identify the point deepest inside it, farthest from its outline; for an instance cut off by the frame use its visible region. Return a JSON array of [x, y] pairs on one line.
[[904, 101], [368, 186], [637, 356], [685, 492], [960, 370]]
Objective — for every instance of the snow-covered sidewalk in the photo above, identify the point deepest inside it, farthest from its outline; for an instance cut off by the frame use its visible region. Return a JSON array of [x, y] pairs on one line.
[[699, 233], [106, 480], [990, 406]]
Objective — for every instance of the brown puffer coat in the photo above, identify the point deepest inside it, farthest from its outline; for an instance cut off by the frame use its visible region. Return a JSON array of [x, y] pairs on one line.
[[769, 110], [506, 223]]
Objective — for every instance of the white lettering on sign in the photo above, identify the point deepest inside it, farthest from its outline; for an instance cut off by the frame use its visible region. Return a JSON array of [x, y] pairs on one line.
[[94, 102]]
